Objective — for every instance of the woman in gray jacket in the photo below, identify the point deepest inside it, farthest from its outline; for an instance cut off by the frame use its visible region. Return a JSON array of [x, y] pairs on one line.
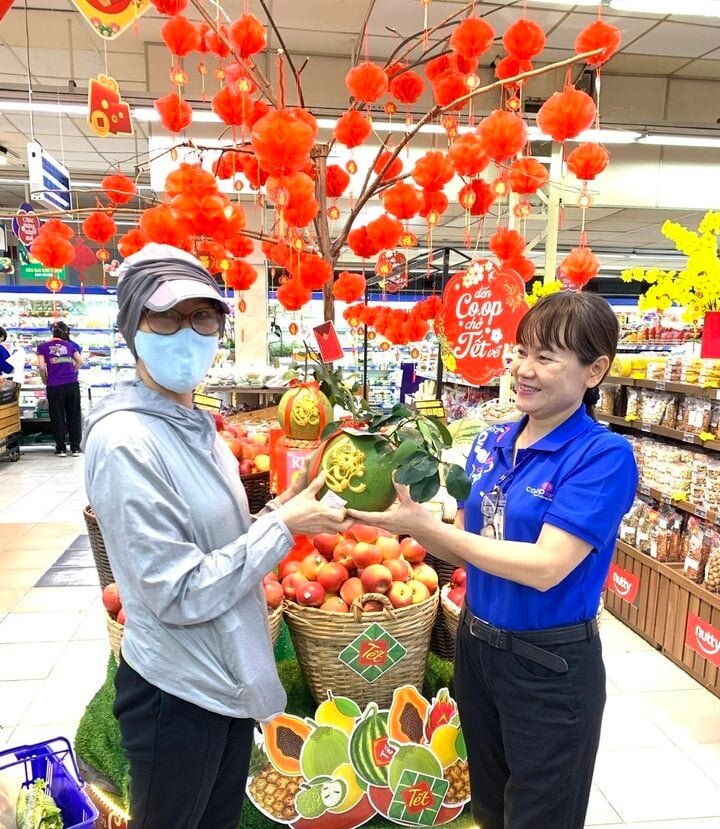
[[197, 665]]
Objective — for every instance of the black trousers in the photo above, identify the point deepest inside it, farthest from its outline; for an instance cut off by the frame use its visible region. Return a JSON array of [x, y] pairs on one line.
[[188, 766], [531, 733], [65, 415]]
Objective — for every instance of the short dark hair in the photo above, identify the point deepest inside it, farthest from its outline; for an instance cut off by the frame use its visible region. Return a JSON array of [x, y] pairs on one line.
[[3, 334], [60, 331], [577, 321]]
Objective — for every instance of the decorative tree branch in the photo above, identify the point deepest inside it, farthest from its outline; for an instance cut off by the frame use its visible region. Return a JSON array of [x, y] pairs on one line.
[[296, 74], [415, 38]]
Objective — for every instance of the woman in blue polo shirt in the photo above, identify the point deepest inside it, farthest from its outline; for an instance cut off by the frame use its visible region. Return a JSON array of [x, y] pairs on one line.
[[536, 535]]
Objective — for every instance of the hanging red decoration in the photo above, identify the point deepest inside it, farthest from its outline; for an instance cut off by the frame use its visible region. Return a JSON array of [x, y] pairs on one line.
[[180, 36], [216, 41], [349, 287], [303, 115], [580, 266], [472, 38], [211, 255], [502, 134], [293, 295], [521, 265], [240, 246], [52, 250], [229, 164], [233, 108], [433, 171], [190, 178], [229, 223], [484, 197], [566, 114], [247, 35], [59, 227], [466, 197], [302, 206], [527, 175], [407, 87], [169, 7], [163, 227], [99, 227], [598, 35], [402, 200], [282, 142], [133, 241], [253, 172], [509, 67], [395, 168], [449, 63], [313, 272], [361, 244], [467, 155], [587, 161], [415, 328], [447, 88], [524, 39], [352, 129], [175, 114], [367, 82], [260, 109], [434, 201], [506, 243], [54, 284], [336, 181], [118, 188], [240, 275], [237, 76], [384, 232]]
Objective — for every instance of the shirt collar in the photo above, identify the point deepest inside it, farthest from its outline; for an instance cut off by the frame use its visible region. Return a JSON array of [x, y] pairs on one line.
[[578, 422]]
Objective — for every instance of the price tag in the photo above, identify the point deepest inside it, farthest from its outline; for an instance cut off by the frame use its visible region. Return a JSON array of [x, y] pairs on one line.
[[717, 519], [665, 498], [644, 427], [660, 385], [701, 512], [688, 437], [644, 489]]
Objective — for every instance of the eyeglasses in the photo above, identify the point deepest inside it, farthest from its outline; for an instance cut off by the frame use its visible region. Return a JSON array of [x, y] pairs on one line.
[[205, 321]]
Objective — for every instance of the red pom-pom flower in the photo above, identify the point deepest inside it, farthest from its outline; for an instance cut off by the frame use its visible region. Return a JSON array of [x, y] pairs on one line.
[[99, 227], [580, 266], [588, 160], [180, 36], [472, 38], [175, 114], [524, 39], [247, 35], [118, 188], [502, 134], [352, 129], [367, 82], [566, 114], [527, 175], [598, 35], [349, 287]]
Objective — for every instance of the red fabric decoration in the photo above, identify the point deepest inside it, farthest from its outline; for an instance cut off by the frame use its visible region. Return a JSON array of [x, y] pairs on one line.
[[204, 30], [502, 134], [415, 328], [467, 155], [598, 35], [247, 35], [433, 171], [99, 227], [361, 244], [506, 244], [484, 197], [175, 114], [180, 35], [367, 82], [133, 241], [169, 7], [190, 178], [349, 287], [384, 232], [278, 252], [282, 142], [449, 63], [352, 129], [527, 175], [407, 87], [393, 170], [580, 266], [587, 161], [260, 109], [229, 223], [118, 188], [428, 309], [253, 172], [336, 181], [211, 254], [303, 115], [240, 275], [162, 226], [240, 246], [302, 206], [566, 114], [313, 272], [402, 200], [59, 227], [509, 67], [233, 108], [236, 72], [472, 38], [229, 163], [447, 88], [521, 265], [293, 295], [52, 250], [433, 201], [524, 39], [215, 43]]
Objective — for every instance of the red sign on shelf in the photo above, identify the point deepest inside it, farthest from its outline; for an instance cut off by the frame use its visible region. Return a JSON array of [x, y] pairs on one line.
[[480, 313], [703, 638], [623, 583]]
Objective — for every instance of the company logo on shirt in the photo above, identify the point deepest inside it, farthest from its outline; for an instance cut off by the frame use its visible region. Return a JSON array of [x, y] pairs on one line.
[[703, 638], [544, 491]]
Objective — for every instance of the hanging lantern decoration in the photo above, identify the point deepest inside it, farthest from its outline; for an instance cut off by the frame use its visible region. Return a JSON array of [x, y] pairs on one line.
[[580, 266], [524, 39], [506, 243], [240, 275], [522, 209], [467, 155], [433, 171], [247, 35], [180, 36], [448, 88], [367, 82], [415, 328], [510, 67], [407, 88], [390, 108], [282, 142], [229, 224], [449, 63], [384, 232], [467, 197], [336, 181], [587, 161], [566, 114], [253, 172], [232, 108], [502, 134], [434, 201], [333, 213], [521, 265], [292, 295], [349, 287], [237, 77], [598, 35], [402, 200], [352, 129], [99, 227], [239, 246], [229, 164], [52, 250], [450, 125], [57, 226], [484, 197], [161, 226], [408, 240], [313, 271], [217, 43], [527, 175], [393, 170], [293, 329], [54, 284], [133, 241], [472, 37], [361, 244], [118, 188], [175, 114], [169, 7]]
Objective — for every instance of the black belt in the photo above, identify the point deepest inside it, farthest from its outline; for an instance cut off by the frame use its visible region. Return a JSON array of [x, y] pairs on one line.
[[526, 643]]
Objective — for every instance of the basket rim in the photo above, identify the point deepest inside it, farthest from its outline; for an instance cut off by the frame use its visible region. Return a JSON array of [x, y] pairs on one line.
[[446, 604], [290, 606]]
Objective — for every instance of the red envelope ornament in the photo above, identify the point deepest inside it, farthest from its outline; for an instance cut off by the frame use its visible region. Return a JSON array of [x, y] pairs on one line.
[[108, 114]]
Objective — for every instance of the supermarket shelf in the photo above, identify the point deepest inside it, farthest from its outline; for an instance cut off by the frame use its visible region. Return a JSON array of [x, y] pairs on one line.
[[663, 385], [685, 506], [660, 431], [73, 331]]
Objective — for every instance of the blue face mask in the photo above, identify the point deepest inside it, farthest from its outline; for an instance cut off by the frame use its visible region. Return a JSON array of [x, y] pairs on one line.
[[178, 361]]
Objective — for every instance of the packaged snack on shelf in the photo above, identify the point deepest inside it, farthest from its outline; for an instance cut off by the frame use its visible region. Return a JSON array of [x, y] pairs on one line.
[[632, 409], [607, 403], [665, 535], [629, 524], [691, 370], [673, 368], [648, 519], [669, 418], [652, 406], [621, 366], [712, 568], [639, 367], [696, 552], [694, 414], [710, 373], [656, 368]]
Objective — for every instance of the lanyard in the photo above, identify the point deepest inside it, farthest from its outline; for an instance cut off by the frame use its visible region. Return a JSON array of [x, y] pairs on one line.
[[493, 504]]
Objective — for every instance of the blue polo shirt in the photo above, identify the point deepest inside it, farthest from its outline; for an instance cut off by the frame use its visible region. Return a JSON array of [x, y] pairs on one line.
[[581, 478]]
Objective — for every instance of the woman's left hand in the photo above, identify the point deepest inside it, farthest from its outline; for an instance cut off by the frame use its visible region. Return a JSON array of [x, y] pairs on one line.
[[404, 516]]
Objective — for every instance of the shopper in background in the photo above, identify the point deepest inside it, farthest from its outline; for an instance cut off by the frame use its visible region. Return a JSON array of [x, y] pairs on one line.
[[537, 534], [12, 359], [5, 366], [197, 666], [58, 362]]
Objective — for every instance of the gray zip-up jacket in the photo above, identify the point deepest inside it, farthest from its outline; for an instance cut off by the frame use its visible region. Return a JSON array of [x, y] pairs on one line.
[[187, 558]]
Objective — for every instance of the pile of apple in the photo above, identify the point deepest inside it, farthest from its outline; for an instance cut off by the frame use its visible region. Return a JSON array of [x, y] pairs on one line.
[[456, 593], [113, 604], [343, 567], [251, 449]]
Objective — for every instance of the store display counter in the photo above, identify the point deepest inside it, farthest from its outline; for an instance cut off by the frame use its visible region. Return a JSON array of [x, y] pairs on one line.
[[265, 396]]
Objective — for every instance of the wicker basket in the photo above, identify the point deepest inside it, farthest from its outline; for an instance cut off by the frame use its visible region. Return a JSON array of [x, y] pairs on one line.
[[442, 641], [97, 545], [451, 616], [115, 634], [319, 636], [274, 619], [257, 487]]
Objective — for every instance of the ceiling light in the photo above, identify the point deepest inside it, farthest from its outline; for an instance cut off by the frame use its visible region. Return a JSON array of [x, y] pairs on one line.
[[3, 156], [43, 108], [604, 136], [568, 2], [199, 116], [689, 8], [680, 141]]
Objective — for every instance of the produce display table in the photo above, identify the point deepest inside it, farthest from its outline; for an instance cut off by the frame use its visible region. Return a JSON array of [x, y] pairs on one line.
[[265, 395]]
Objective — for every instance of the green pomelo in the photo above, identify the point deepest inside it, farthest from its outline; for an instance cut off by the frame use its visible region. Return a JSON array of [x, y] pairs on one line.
[[413, 758], [325, 749], [304, 412], [371, 488]]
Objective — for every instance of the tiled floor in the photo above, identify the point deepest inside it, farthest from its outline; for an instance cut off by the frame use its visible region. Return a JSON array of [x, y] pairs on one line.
[[659, 761]]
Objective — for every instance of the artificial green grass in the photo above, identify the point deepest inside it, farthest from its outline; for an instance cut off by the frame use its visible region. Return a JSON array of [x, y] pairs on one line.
[[97, 741]]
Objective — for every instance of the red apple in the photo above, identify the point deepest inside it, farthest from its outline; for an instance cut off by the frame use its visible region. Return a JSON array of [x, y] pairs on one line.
[[219, 421], [366, 554], [271, 576], [246, 467], [121, 617], [325, 543], [420, 593], [412, 551], [311, 564], [426, 574], [400, 594], [335, 604], [457, 596], [389, 547], [274, 594], [343, 554], [292, 583], [351, 589], [311, 594], [111, 599], [229, 431], [400, 569], [458, 577], [332, 575], [376, 578], [361, 532], [288, 567], [373, 606]]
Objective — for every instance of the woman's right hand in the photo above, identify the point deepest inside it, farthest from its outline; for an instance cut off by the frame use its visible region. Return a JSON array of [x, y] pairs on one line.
[[303, 514]]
